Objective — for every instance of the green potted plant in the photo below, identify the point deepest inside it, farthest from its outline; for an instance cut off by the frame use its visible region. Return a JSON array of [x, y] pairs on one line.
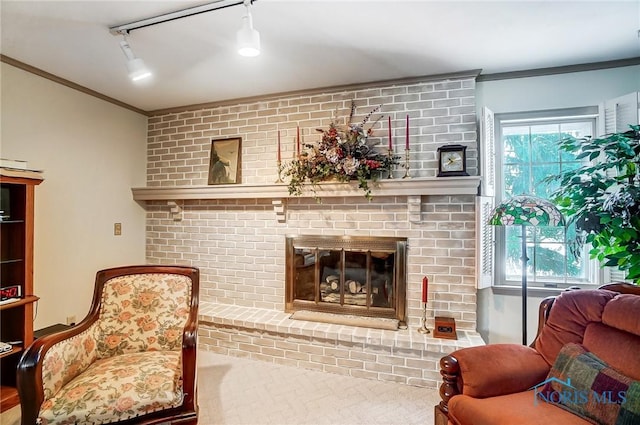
[[603, 197]]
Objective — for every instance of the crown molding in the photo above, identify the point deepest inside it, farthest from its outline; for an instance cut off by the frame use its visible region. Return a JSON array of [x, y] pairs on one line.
[[540, 72], [44, 74]]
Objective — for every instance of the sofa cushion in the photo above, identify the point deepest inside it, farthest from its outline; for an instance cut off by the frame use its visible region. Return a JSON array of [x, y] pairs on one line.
[[572, 311], [616, 313], [616, 348], [118, 388], [511, 409], [498, 369], [585, 385]]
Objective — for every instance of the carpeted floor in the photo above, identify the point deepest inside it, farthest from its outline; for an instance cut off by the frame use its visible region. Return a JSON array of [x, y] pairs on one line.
[[11, 416], [238, 391]]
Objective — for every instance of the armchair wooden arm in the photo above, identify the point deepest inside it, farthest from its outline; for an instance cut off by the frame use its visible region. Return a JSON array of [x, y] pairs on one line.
[[189, 350], [450, 371]]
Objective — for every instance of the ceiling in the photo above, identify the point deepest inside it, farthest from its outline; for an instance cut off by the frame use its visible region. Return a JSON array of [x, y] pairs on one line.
[[308, 44]]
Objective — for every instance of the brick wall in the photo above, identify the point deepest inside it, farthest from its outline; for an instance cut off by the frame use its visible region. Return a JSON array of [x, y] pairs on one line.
[[239, 244]]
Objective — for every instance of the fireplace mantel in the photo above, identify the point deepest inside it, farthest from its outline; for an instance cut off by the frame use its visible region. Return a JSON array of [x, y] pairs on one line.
[[411, 188], [391, 187]]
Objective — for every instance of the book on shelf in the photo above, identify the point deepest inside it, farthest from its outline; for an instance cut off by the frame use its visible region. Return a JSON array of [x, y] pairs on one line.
[[18, 164], [13, 172], [4, 347]]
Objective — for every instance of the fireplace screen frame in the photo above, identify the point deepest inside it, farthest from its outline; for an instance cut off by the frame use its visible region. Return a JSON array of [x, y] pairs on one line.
[[365, 245]]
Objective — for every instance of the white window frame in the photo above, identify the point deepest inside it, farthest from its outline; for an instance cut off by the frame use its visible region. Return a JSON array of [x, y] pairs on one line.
[[593, 277]]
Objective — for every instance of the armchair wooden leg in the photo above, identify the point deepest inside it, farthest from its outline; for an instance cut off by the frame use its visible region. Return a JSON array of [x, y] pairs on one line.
[[449, 369], [439, 417]]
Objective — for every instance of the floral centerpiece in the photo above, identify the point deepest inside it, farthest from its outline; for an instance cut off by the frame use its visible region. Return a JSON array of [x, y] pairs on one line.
[[344, 153]]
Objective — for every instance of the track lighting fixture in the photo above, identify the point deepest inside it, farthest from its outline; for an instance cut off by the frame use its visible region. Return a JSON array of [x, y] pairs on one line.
[[247, 37], [136, 67]]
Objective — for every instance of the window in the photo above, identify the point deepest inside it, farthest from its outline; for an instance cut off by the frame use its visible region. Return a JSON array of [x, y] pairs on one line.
[[527, 153]]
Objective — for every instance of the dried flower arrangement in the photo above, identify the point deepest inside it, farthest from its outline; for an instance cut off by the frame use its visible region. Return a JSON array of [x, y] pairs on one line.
[[344, 153]]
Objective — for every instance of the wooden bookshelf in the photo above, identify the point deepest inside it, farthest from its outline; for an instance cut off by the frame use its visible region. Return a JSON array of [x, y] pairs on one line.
[[8, 397], [17, 202]]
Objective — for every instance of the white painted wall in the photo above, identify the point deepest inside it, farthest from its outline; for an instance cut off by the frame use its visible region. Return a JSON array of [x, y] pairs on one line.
[[576, 89], [499, 315], [92, 153]]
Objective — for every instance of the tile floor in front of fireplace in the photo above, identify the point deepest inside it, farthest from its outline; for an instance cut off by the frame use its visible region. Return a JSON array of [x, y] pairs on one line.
[[236, 391]]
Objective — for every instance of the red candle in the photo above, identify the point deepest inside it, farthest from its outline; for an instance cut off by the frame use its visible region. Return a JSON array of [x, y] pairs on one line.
[[407, 134], [390, 142], [298, 141], [279, 157], [425, 289]]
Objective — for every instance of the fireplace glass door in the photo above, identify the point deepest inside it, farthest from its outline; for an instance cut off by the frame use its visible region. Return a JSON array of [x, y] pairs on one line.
[[350, 275]]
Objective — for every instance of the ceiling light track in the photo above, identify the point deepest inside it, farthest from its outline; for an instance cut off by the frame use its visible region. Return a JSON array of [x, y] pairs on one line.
[[172, 16], [248, 38]]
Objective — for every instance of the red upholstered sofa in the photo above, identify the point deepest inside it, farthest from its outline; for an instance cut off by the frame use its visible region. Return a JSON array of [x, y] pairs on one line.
[[496, 384]]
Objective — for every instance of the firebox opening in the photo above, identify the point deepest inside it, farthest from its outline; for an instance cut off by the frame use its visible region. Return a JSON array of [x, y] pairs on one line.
[[363, 276]]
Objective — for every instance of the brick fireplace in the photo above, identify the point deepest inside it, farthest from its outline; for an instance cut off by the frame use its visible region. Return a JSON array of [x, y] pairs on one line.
[[236, 234]]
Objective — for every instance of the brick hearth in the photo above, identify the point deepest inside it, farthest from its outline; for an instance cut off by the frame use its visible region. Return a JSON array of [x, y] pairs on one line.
[[404, 356]]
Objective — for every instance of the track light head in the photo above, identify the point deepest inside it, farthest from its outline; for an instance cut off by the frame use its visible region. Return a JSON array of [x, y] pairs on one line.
[[138, 70], [136, 67], [248, 38]]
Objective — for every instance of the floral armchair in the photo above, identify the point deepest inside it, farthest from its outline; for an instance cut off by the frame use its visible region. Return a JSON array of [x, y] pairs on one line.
[[131, 360]]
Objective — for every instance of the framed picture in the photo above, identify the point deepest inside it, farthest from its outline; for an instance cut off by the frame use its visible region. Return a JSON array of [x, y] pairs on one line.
[[224, 164]]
